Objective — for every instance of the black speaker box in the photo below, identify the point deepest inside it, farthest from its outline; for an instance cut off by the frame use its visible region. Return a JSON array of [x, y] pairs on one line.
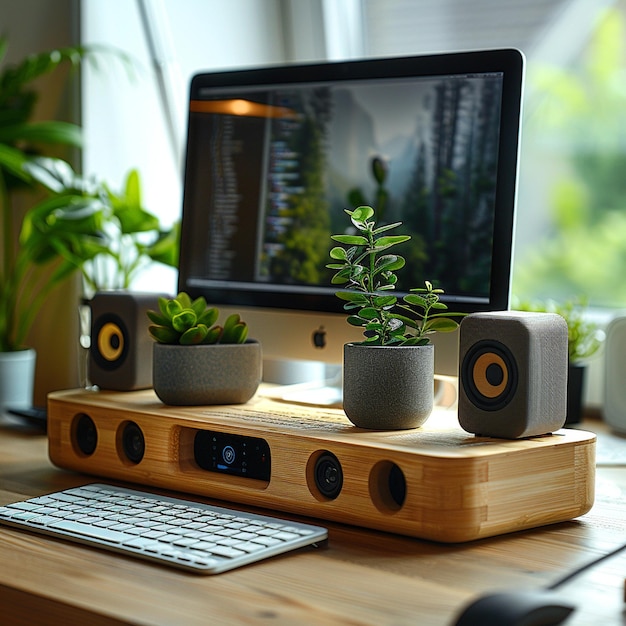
[[120, 356], [512, 374]]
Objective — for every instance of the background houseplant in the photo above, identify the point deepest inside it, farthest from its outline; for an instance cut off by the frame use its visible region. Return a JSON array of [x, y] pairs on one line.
[[197, 361], [389, 377], [584, 339], [23, 286], [53, 221]]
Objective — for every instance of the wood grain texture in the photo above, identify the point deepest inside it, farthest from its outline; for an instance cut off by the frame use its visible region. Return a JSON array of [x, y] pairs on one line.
[[362, 578], [458, 487]]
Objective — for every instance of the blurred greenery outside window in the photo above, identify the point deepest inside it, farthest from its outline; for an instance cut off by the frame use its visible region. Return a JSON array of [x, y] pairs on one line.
[[570, 242], [574, 148]]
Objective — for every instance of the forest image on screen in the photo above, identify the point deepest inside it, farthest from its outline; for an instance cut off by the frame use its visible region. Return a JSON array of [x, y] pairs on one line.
[[423, 152]]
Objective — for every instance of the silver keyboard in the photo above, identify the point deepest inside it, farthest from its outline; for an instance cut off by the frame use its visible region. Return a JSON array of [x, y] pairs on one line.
[[190, 535]]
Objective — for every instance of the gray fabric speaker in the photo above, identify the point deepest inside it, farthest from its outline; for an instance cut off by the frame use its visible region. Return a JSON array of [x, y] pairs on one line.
[[614, 410], [512, 374], [120, 355]]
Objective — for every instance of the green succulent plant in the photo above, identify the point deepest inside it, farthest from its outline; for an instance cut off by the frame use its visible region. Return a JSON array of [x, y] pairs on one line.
[[367, 268], [188, 322]]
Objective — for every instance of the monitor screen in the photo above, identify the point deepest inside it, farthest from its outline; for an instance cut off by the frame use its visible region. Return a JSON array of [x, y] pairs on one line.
[[275, 155]]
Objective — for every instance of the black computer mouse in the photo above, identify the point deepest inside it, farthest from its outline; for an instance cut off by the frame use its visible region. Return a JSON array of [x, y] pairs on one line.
[[516, 608]]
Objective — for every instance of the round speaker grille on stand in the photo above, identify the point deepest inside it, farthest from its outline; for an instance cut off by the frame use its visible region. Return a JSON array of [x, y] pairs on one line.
[[489, 374]]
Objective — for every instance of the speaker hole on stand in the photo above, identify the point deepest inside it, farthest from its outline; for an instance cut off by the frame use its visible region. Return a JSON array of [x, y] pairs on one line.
[[84, 435], [131, 443], [387, 486], [324, 475]]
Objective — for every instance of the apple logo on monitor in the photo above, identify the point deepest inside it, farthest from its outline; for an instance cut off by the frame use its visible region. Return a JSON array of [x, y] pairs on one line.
[[319, 337]]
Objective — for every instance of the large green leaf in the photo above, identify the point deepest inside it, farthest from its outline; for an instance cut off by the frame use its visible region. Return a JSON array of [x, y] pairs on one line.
[[13, 161], [43, 132]]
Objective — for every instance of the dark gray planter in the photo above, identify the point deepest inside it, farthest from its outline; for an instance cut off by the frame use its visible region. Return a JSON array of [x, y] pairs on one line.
[[206, 374], [575, 387], [388, 387]]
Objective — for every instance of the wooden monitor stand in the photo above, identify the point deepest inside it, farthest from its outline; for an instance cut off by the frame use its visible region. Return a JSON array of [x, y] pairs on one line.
[[436, 482]]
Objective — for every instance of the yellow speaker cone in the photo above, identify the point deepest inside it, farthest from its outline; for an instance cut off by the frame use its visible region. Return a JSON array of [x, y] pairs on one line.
[[110, 341], [490, 375]]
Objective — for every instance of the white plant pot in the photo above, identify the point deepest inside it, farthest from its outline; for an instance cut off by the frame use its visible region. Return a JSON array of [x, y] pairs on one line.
[[17, 378]]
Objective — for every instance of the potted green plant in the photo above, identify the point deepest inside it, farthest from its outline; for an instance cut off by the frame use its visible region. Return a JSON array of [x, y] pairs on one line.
[[197, 361], [70, 223], [389, 376], [23, 286], [584, 339]]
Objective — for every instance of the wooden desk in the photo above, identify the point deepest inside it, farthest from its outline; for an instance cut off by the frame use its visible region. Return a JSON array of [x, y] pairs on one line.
[[362, 577]]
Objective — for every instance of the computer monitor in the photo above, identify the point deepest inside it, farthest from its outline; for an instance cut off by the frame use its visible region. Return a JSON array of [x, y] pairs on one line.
[[275, 154]]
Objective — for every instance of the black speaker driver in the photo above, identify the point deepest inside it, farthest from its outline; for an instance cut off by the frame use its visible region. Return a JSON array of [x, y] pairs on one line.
[[328, 475], [85, 434], [133, 443], [489, 375]]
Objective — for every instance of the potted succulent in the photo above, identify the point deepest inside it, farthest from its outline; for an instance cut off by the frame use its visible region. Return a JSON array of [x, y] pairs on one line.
[[195, 360], [584, 339], [389, 376]]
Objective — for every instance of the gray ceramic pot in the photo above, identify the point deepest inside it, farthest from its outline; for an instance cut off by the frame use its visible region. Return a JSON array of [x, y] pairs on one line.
[[206, 374], [388, 387]]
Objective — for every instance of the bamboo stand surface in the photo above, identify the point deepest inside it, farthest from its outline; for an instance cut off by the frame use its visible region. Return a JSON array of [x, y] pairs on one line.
[[458, 487]]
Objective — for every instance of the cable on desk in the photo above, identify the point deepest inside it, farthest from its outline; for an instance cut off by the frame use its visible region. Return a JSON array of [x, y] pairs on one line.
[[577, 572]]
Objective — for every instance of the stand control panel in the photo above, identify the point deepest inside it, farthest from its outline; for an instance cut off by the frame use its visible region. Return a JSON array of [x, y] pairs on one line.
[[237, 455]]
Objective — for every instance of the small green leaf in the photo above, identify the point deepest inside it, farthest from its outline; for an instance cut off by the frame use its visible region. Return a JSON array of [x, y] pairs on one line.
[[163, 307], [209, 317], [415, 300], [184, 320], [214, 334], [157, 318], [173, 307], [386, 227], [163, 334], [184, 300], [352, 296], [194, 336], [199, 305], [355, 320], [389, 263], [235, 331], [350, 240], [338, 253], [383, 302], [361, 213], [440, 325], [387, 242], [369, 313]]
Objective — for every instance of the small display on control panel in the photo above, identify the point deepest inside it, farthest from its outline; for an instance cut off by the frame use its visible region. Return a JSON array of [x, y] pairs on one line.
[[237, 455]]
